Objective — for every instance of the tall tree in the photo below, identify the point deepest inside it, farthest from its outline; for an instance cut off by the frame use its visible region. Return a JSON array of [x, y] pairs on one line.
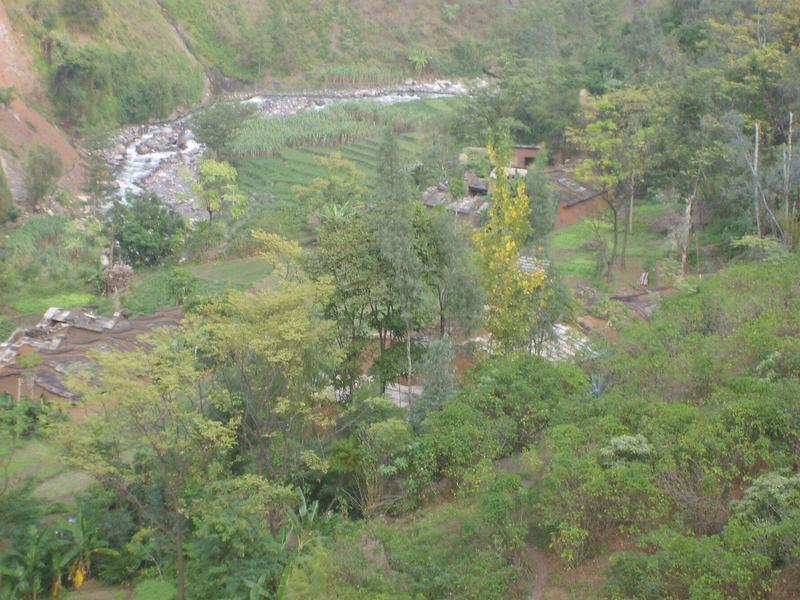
[[347, 254], [513, 294], [145, 434], [273, 352], [217, 190], [393, 222], [450, 270], [619, 137]]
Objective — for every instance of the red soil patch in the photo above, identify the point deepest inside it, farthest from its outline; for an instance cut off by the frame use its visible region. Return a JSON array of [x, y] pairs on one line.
[[21, 124]]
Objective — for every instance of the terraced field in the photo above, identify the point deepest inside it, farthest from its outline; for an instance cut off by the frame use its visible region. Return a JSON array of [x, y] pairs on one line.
[[273, 178]]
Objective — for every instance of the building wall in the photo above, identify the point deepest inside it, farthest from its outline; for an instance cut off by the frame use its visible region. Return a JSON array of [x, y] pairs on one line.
[[10, 385], [569, 215], [522, 157]]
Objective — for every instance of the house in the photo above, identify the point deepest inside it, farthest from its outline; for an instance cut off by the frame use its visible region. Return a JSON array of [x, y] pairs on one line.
[[576, 200], [469, 207], [61, 341], [524, 156]]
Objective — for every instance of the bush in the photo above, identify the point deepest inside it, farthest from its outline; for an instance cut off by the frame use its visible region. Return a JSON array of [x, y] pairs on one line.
[[85, 14], [8, 210], [29, 360], [524, 389], [42, 170], [7, 95], [147, 231]]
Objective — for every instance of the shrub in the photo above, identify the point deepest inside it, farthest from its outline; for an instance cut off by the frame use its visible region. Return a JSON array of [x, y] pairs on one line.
[[8, 211], [627, 447], [85, 14], [29, 360], [524, 389], [147, 231], [42, 170], [7, 95], [182, 285]]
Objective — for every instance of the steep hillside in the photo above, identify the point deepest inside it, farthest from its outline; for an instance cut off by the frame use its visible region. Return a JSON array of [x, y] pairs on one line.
[[106, 64], [26, 121], [333, 41], [103, 67]]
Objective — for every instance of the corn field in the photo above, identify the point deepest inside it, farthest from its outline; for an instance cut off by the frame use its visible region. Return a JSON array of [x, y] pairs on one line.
[[343, 124], [350, 75]]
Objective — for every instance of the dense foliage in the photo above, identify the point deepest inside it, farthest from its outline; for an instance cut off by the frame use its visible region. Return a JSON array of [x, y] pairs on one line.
[[276, 444], [146, 231]]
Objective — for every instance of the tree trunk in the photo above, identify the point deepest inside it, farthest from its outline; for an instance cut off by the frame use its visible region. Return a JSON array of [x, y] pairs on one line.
[[180, 559], [787, 165], [756, 207], [628, 222], [624, 247], [613, 256], [408, 357], [686, 230], [442, 320]]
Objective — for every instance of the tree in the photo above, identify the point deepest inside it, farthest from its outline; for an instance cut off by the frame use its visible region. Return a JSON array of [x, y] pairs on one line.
[[216, 127], [83, 544], [450, 270], [347, 254], [216, 189], [513, 295], [147, 232], [145, 435], [342, 186], [274, 354], [544, 203], [393, 222], [619, 136], [438, 380], [42, 169]]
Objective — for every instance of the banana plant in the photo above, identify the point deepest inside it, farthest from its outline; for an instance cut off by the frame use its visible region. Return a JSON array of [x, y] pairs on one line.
[[26, 569], [83, 544], [297, 535]]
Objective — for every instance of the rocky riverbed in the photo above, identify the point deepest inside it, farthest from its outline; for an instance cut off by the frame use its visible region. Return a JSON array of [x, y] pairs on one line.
[[163, 157]]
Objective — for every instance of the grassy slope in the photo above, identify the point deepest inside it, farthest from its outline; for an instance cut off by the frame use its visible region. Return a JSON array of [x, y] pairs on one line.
[[137, 26], [39, 460], [308, 35]]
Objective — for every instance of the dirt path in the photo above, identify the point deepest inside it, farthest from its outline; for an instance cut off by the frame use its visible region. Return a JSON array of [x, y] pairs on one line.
[[538, 563]]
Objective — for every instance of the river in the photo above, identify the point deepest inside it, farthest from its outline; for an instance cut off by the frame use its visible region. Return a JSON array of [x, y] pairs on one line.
[[163, 157]]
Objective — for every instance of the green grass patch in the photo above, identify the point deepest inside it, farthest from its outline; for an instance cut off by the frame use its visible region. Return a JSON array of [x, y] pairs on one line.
[[29, 305], [155, 589], [150, 291], [571, 249], [240, 272], [342, 124], [37, 459]]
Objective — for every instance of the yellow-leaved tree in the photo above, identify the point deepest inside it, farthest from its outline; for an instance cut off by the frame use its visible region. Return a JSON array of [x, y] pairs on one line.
[[514, 293]]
